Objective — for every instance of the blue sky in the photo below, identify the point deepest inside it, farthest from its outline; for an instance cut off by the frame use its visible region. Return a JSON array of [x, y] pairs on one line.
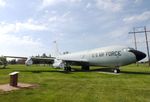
[[29, 27]]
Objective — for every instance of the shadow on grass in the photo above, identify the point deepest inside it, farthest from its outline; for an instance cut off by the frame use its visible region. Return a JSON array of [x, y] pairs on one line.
[[41, 71], [110, 70], [140, 73], [4, 68], [70, 72], [93, 70], [107, 70]]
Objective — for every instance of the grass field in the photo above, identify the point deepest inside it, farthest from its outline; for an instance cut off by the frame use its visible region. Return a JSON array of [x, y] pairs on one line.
[[132, 85]]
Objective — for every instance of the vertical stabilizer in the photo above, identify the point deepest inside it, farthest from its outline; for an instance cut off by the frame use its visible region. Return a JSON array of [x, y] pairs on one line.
[[56, 50]]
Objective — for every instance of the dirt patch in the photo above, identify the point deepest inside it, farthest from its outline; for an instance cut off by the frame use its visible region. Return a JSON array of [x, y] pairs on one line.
[[7, 87]]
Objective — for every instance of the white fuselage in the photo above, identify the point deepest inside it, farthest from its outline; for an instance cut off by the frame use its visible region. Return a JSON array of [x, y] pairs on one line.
[[113, 56]]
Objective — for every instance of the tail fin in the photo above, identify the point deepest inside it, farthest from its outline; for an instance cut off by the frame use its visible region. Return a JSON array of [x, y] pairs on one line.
[[29, 61], [56, 50]]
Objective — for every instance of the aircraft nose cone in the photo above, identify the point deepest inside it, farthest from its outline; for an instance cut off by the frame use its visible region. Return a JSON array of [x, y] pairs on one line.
[[139, 55]]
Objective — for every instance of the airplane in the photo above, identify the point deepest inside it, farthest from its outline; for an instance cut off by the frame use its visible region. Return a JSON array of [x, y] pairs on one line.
[[111, 56]]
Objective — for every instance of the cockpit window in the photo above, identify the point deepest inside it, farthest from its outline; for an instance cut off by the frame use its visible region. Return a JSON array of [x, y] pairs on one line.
[[131, 48], [128, 49]]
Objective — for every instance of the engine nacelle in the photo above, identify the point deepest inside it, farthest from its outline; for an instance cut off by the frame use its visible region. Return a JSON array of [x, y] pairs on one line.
[[29, 61], [58, 63]]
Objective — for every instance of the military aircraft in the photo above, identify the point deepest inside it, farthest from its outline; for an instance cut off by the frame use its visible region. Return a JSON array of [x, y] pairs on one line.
[[112, 56]]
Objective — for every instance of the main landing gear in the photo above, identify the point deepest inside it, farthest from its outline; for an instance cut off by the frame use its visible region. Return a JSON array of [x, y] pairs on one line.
[[68, 68], [116, 70], [85, 67]]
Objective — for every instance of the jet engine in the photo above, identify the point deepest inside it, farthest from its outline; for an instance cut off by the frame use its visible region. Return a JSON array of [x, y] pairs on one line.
[[58, 63]]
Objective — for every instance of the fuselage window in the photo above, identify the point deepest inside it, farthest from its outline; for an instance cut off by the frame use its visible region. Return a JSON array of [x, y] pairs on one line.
[[93, 55], [83, 56], [101, 54]]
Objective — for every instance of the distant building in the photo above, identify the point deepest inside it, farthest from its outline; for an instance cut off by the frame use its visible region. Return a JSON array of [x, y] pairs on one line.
[[20, 61]]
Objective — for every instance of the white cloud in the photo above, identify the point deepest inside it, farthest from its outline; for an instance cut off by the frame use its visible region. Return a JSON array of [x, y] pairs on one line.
[[58, 20], [52, 19], [29, 26], [119, 32], [58, 23], [22, 46], [7, 39], [6, 28], [88, 5], [25, 45], [46, 3], [73, 1], [2, 3], [138, 18], [110, 5], [138, 1]]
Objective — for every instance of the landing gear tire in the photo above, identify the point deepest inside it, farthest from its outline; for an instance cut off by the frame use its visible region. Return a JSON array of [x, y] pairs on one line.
[[116, 70], [85, 67], [67, 68]]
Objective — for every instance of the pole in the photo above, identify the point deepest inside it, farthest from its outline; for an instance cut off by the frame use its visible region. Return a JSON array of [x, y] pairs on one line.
[[134, 39], [147, 45]]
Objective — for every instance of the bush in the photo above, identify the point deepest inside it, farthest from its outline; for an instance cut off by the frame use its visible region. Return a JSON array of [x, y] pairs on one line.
[[3, 62]]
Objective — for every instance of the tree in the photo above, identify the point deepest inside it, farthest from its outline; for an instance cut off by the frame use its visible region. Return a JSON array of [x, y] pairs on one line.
[[44, 55], [3, 62], [13, 61], [66, 52]]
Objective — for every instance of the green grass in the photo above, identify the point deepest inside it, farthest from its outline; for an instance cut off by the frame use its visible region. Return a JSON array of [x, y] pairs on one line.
[[132, 85]]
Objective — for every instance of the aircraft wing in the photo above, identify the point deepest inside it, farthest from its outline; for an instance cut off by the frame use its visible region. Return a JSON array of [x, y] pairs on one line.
[[40, 58], [76, 61], [15, 57], [49, 60], [35, 59]]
